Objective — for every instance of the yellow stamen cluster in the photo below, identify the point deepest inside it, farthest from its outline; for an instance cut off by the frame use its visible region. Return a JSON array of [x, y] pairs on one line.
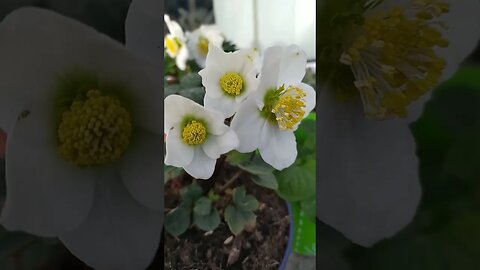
[[231, 83], [194, 133], [289, 109], [172, 45], [202, 46], [393, 58], [94, 131]]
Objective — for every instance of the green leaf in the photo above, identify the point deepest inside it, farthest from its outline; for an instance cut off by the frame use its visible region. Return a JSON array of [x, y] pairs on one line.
[[190, 80], [267, 180], [243, 201], [309, 208], [203, 206], [171, 172], [190, 194], [463, 158], [171, 89], [207, 222], [235, 158], [195, 93], [296, 184], [177, 221], [237, 218]]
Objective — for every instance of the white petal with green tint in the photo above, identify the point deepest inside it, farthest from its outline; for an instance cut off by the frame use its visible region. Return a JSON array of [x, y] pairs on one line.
[[141, 170], [202, 166], [368, 185], [215, 146], [46, 195], [144, 30], [119, 232]]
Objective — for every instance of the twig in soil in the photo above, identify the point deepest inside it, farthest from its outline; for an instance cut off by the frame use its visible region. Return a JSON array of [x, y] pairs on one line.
[[234, 254], [230, 182]]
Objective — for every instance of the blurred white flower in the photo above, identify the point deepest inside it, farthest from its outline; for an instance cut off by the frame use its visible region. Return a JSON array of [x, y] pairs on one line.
[[144, 31], [368, 186], [84, 140], [175, 43], [267, 119], [195, 136], [228, 79], [198, 42]]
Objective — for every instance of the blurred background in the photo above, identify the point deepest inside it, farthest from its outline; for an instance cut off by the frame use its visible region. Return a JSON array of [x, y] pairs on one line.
[[445, 233]]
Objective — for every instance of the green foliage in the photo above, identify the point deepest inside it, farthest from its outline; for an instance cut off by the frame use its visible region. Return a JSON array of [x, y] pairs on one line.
[[240, 212], [205, 215], [170, 172], [296, 184], [229, 46], [261, 172]]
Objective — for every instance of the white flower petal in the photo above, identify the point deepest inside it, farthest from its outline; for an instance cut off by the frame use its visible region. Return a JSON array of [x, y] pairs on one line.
[[277, 147], [368, 186], [202, 166], [174, 28], [141, 169], [310, 99], [215, 146], [210, 79], [63, 45], [144, 30], [46, 195], [281, 66], [225, 106], [119, 233], [463, 33], [178, 153], [247, 124], [182, 57]]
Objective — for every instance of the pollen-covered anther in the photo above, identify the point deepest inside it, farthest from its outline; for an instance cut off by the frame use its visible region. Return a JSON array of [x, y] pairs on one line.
[[231, 83], [194, 133], [289, 110], [398, 49], [94, 130]]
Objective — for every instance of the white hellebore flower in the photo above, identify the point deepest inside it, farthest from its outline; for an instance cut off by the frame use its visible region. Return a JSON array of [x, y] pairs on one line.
[[267, 119], [196, 137], [228, 79], [198, 41], [175, 43], [84, 140], [368, 186], [144, 31]]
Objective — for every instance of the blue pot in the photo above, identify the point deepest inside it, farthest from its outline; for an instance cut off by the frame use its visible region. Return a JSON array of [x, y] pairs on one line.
[[288, 250]]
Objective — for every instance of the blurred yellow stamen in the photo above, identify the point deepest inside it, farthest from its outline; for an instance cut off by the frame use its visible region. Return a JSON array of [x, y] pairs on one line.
[[202, 46], [393, 58], [290, 107], [94, 131]]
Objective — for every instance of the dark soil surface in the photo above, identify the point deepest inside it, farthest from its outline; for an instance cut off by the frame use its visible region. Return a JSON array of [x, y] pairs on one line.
[[258, 247]]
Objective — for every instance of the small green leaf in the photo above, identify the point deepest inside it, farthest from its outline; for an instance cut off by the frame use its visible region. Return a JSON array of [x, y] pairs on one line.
[[207, 222], [190, 195], [237, 218], [296, 184], [203, 206], [267, 180], [212, 196], [190, 80], [243, 201], [177, 221], [235, 158]]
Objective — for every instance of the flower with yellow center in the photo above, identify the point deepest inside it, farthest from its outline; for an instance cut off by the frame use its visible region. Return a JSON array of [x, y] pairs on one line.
[[379, 60], [175, 43], [84, 140], [195, 136], [228, 79], [199, 41], [268, 117]]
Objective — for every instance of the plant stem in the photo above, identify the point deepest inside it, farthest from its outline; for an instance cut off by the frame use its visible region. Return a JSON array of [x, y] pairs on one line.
[[230, 182]]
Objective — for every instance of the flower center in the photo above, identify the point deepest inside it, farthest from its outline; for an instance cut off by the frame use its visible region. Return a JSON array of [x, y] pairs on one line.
[[194, 133], [202, 46], [286, 107], [393, 57], [173, 45], [94, 131], [232, 83]]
